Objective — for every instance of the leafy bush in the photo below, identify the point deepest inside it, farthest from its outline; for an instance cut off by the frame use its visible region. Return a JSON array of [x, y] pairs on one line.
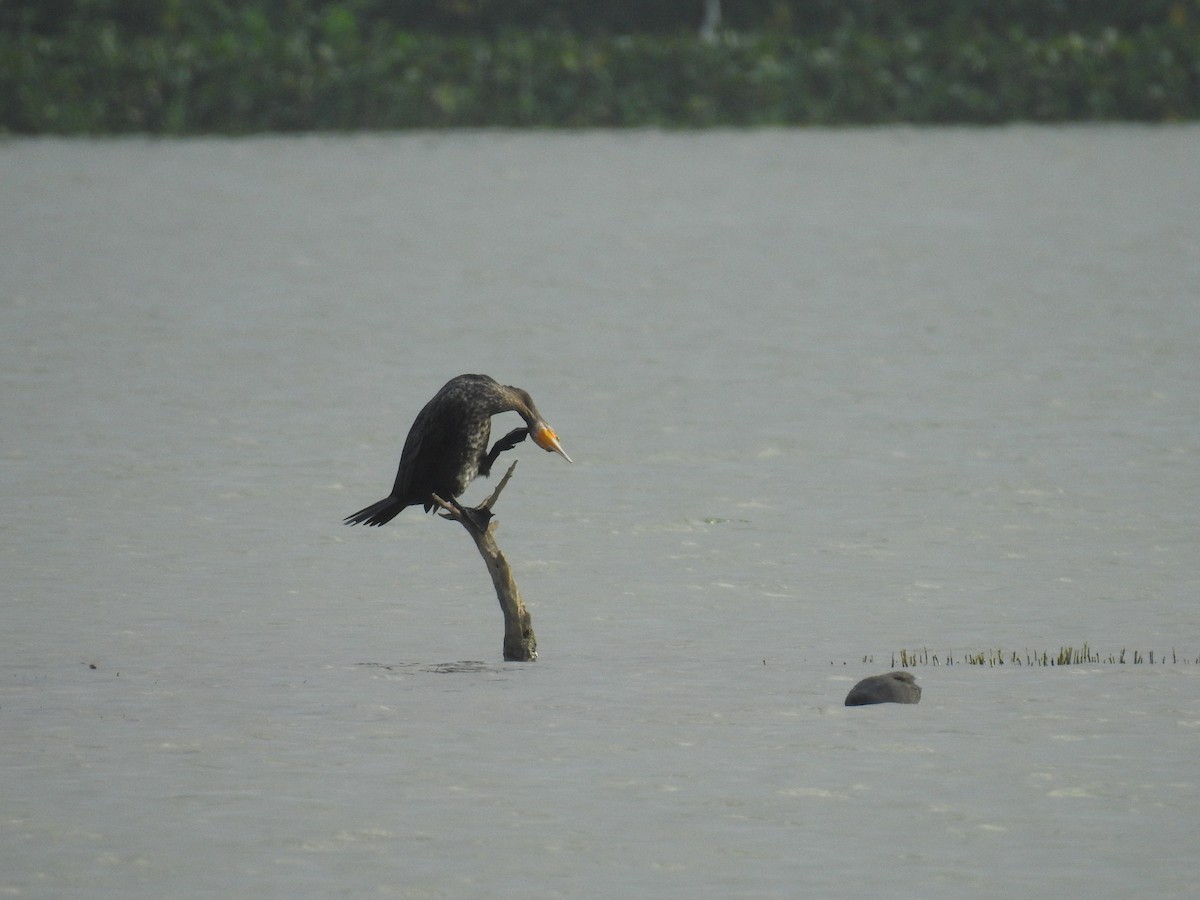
[[801, 17], [174, 66]]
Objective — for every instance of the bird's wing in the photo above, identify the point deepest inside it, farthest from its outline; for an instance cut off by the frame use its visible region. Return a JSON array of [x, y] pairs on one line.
[[421, 440]]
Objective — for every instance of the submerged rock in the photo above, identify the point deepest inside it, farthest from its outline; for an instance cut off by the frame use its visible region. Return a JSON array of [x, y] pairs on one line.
[[894, 687]]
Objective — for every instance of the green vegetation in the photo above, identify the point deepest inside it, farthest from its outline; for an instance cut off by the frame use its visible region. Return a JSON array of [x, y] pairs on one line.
[[1066, 656], [178, 67]]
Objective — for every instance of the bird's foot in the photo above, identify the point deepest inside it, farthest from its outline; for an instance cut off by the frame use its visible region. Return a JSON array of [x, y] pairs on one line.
[[478, 516], [507, 442]]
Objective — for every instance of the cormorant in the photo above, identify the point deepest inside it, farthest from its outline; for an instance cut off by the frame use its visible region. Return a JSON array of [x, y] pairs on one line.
[[447, 444]]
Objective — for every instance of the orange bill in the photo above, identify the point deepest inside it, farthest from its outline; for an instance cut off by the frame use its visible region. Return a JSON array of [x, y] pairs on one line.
[[544, 437]]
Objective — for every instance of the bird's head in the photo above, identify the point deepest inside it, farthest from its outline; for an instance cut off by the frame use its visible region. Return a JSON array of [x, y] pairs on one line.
[[543, 435]]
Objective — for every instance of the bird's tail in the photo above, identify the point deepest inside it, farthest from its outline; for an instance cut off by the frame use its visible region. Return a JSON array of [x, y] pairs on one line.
[[377, 513]]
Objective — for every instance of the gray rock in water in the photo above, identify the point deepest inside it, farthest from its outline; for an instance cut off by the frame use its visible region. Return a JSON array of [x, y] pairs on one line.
[[894, 687]]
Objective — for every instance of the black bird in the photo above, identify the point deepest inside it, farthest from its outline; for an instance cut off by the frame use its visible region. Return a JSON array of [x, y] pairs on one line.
[[447, 444]]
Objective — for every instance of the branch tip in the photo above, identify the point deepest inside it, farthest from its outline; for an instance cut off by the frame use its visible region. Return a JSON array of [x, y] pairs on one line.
[[495, 495]]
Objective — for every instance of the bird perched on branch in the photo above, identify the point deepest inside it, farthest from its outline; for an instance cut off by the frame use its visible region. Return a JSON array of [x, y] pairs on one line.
[[447, 444]]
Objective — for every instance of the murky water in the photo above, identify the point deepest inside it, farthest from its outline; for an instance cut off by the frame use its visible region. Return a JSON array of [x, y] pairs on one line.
[[831, 394]]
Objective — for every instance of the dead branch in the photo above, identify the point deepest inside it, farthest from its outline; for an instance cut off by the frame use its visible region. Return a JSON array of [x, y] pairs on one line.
[[520, 643]]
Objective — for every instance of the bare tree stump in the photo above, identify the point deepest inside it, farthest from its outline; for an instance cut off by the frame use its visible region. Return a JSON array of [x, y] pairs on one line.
[[520, 643]]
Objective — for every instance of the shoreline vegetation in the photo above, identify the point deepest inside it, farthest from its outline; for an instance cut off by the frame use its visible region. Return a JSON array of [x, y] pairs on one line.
[[169, 67], [1064, 656]]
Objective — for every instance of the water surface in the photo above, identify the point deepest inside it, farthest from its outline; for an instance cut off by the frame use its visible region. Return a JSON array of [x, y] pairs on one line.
[[830, 394]]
